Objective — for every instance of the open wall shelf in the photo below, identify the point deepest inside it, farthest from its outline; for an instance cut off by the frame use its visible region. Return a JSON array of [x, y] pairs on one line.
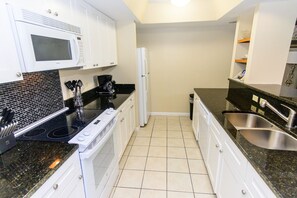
[[243, 61], [244, 40]]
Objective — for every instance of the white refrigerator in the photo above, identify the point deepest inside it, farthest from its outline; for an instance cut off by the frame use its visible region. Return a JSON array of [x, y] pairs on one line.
[[144, 86]]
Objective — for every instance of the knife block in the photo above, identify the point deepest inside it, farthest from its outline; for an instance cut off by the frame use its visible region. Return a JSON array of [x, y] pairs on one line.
[[7, 143]]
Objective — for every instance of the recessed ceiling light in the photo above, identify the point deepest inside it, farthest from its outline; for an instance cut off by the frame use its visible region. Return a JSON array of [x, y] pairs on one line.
[[180, 3]]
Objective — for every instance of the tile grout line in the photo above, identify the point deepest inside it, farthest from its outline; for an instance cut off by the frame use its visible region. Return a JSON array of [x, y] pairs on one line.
[[188, 164], [166, 158], [146, 159]]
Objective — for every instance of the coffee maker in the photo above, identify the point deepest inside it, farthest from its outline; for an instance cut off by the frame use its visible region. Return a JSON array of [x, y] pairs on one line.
[[106, 85]]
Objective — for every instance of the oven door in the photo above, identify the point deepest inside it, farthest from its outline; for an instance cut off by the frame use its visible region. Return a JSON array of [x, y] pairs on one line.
[[45, 48], [98, 164]]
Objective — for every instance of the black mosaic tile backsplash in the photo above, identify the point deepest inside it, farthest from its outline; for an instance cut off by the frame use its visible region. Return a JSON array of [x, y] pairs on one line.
[[33, 98]]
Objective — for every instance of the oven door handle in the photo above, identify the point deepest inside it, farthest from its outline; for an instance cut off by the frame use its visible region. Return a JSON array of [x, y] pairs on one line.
[[89, 153]]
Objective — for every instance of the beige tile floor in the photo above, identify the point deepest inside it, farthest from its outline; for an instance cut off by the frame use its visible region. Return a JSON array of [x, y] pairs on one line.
[[163, 160]]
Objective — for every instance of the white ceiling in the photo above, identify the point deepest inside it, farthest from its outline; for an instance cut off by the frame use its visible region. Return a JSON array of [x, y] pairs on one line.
[[154, 12]]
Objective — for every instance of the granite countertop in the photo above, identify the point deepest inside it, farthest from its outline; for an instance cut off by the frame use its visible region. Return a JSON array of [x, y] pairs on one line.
[[25, 167], [277, 168]]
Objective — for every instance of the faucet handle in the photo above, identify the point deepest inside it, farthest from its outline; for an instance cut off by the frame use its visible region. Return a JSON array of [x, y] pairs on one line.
[[292, 111]]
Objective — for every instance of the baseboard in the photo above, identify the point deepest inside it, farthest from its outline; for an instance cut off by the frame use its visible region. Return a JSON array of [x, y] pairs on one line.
[[169, 114]]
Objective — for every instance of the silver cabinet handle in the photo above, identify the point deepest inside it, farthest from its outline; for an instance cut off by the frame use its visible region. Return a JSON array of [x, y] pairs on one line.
[[55, 186], [112, 63], [56, 14], [131, 106], [18, 74], [221, 150], [243, 192], [80, 177], [217, 146], [49, 11]]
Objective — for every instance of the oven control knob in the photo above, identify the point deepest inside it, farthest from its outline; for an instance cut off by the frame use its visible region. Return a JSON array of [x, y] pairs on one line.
[[87, 133], [80, 138]]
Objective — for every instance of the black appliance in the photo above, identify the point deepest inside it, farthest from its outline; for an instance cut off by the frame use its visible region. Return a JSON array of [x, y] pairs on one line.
[[106, 85], [62, 127]]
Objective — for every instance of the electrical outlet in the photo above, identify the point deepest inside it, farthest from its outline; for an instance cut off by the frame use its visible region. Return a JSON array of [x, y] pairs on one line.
[[255, 98], [260, 111], [253, 108]]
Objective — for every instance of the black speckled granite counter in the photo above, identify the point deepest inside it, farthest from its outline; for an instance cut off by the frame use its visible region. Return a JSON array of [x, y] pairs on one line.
[[277, 168], [24, 168]]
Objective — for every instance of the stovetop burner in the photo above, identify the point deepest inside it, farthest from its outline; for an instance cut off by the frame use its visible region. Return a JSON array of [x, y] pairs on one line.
[[62, 127], [63, 131]]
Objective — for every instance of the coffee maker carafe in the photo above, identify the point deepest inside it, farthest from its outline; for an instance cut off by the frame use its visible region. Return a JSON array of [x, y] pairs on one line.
[[106, 85]]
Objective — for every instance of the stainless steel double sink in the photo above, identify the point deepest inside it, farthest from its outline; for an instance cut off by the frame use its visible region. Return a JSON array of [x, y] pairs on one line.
[[260, 132]]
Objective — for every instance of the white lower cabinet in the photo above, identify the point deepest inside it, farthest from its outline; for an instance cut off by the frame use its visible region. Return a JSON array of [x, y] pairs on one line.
[[231, 184], [204, 134], [256, 184], [230, 173], [67, 181], [132, 115], [125, 125], [214, 160]]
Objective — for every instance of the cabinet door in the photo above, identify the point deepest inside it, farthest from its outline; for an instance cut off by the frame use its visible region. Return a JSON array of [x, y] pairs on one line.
[[195, 121], [257, 186], [64, 10], [118, 138], [62, 181], [132, 116], [214, 158], [40, 6], [231, 184], [75, 189], [86, 21], [10, 69], [204, 144], [112, 38], [124, 129], [95, 35], [203, 130]]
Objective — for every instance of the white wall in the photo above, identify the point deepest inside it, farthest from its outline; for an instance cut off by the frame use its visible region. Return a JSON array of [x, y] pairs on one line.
[[272, 32], [185, 58]]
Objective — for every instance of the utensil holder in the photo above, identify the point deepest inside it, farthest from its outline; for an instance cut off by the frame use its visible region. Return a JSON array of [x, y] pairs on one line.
[[7, 143]]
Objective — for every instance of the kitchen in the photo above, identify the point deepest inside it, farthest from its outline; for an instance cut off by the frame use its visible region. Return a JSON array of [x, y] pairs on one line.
[[190, 48]]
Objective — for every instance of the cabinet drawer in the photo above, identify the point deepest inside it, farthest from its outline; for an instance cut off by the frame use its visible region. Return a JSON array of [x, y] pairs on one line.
[[219, 130], [59, 181], [235, 159]]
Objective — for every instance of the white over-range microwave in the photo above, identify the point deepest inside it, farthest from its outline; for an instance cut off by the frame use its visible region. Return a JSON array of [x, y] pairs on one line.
[[44, 43]]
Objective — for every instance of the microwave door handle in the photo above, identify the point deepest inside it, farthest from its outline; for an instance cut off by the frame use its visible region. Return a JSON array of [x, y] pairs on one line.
[[76, 45]]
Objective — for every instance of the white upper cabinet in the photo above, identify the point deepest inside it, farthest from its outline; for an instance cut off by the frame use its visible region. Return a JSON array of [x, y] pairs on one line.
[[10, 69], [99, 33], [62, 10]]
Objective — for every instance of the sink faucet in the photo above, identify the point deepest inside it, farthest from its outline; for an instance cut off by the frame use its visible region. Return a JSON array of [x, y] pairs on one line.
[[290, 119]]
